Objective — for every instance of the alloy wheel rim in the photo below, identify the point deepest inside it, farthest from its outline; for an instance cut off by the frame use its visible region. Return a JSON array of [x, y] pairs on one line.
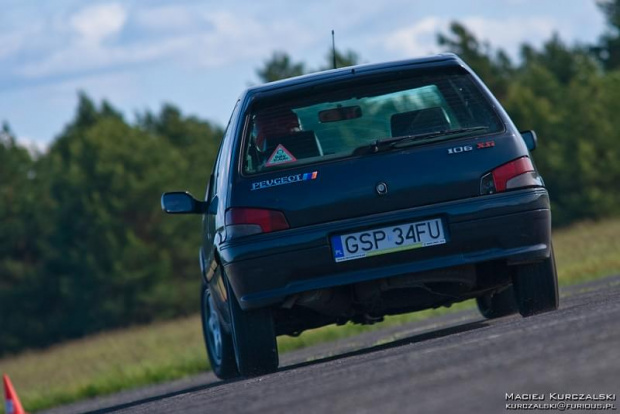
[[214, 330]]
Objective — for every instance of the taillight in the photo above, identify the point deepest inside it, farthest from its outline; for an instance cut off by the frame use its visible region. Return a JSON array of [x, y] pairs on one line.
[[245, 221], [519, 173]]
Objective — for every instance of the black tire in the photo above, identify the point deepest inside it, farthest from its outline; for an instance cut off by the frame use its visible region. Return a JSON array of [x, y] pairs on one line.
[[254, 338], [498, 304], [220, 351], [536, 287]]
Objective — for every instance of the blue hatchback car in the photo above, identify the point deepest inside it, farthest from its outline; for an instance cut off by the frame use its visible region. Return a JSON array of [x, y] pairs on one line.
[[351, 194]]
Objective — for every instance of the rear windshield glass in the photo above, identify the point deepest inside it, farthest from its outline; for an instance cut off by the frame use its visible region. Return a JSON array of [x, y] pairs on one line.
[[338, 123]]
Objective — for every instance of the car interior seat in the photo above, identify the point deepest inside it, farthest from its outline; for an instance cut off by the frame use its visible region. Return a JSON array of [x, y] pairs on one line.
[[419, 122]]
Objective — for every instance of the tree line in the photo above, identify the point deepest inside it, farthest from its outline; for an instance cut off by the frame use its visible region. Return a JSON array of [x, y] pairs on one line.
[[84, 246]]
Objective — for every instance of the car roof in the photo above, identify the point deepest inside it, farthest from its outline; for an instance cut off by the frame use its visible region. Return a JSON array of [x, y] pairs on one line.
[[444, 59]]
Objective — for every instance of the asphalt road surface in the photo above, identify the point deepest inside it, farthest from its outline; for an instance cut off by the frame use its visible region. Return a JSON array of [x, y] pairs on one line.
[[458, 363]]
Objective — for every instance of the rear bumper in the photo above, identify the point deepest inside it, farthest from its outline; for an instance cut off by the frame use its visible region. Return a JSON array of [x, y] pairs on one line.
[[263, 270]]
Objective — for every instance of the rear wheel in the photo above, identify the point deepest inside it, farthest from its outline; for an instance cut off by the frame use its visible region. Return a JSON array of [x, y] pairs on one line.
[[256, 349], [498, 304], [536, 287], [219, 343]]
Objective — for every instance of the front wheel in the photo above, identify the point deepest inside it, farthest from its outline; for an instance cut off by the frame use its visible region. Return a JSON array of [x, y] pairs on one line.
[[256, 349], [536, 287], [219, 343]]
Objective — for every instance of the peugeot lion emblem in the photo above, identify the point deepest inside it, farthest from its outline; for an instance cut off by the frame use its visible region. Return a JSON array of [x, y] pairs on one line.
[[381, 188]]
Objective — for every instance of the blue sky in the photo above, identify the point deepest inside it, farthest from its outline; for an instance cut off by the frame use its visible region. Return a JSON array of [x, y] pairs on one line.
[[200, 55]]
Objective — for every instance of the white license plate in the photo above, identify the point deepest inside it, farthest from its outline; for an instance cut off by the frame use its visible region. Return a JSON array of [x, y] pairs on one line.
[[388, 240]]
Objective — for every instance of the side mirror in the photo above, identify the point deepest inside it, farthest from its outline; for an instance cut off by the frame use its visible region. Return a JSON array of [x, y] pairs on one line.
[[180, 202], [530, 138]]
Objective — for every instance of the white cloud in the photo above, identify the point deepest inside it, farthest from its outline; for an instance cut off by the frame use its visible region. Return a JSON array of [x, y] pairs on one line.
[[176, 18], [420, 38], [96, 23], [198, 39], [82, 44], [34, 147], [509, 34], [416, 40], [13, 42], [77, 59], [236, 37]]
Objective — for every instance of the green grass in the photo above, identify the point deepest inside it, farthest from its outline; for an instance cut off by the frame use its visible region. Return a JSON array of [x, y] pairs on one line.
[[587, 251], [106, 363], [114, 361]]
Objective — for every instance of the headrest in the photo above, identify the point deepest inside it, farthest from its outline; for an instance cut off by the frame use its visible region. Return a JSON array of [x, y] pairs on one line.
[[275, 124], [419, 122]]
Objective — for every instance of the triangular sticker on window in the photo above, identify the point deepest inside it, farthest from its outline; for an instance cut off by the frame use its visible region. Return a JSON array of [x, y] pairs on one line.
[[280, 156]]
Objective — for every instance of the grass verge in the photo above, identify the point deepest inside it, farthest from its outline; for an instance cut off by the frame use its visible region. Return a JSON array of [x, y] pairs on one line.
[[119, 360]]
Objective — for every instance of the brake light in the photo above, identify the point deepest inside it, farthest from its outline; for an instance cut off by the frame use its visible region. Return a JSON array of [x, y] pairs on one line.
[[519, 173], [246, 221]]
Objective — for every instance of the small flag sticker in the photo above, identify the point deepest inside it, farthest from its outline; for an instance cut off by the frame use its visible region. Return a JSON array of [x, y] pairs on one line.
[[311, 176], [280, 156]]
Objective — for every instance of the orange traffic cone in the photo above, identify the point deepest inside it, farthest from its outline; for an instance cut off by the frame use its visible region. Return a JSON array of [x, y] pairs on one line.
[[13, 406]]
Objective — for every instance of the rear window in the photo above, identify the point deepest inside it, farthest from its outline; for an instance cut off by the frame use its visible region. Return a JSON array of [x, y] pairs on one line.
[[331, 124]]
